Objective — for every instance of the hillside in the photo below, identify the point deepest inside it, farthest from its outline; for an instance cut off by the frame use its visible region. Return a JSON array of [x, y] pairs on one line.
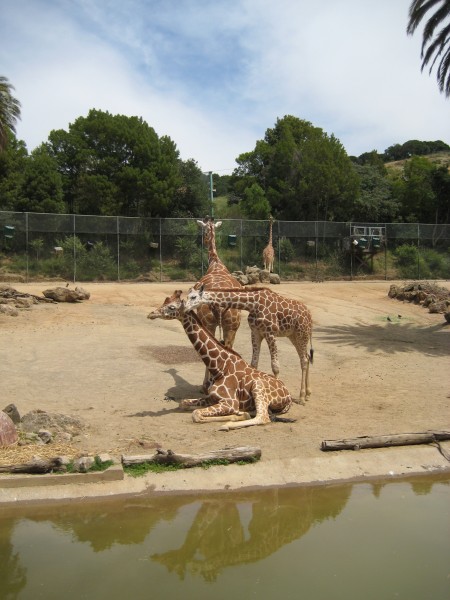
[[439, 159]]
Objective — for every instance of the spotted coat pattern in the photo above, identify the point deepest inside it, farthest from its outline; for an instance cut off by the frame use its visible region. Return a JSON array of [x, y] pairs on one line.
[[268, 252], [270, 316], [236, 389]]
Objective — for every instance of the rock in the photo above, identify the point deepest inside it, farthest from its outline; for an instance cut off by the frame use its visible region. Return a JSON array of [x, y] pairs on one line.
[[39, 419], [105, 457], [13, 413], [264, 276], [275, 278], [45, 436], [83, 464], [83, 293], [8, 431], [7, 309], [62, 294], [253, 278]]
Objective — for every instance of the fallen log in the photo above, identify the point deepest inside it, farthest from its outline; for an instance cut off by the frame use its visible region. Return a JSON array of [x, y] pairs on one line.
[[38, 465], [385, 441], [168, 457]]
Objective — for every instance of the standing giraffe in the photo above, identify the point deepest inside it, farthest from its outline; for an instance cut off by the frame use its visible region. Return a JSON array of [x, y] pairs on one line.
[[270, 316], [236, 389], [217, 277], [268, 252]]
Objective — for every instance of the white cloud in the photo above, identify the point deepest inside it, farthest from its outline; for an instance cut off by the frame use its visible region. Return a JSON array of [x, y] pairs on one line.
[[215, 76]]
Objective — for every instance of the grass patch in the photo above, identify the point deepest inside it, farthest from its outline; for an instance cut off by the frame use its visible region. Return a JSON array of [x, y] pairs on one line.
[[148, 467]]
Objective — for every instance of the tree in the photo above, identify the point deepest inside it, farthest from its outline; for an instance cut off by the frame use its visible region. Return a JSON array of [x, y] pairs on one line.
[[255, 204], [304, 173], [13, 161], [435, 38], [41, 189], [9, 111], [114, 164], [416, 192], [374, 203]]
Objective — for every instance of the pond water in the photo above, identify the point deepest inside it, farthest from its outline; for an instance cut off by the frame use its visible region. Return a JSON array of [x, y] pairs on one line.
[[377, 540]]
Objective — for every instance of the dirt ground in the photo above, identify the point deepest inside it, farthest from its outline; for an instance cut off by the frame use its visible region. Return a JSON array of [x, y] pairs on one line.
[[102, 361]]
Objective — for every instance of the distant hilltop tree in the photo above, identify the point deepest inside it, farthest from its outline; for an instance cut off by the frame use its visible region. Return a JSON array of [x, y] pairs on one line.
[[414, 148]]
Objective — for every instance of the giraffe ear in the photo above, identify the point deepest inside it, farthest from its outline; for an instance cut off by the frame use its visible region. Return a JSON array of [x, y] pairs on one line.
[[218, 224], [200, 223]]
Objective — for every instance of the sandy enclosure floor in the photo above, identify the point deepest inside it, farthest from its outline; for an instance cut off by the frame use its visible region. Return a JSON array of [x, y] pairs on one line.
[[104, 362]]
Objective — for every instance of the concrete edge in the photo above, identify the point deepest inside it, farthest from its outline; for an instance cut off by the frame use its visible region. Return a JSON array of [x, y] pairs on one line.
[[113, 473], [331, 468]]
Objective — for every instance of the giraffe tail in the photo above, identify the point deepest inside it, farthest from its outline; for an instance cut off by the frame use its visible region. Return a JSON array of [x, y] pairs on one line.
[[311, 351]]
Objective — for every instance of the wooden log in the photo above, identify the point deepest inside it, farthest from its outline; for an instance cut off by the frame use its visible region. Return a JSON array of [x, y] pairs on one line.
[[163, 457], [38, 465], [385, 441]]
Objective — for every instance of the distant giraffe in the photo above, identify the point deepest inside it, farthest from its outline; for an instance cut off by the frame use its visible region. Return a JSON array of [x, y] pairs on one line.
[[270, 316], [268, 252], [236, 389], [217, 277]]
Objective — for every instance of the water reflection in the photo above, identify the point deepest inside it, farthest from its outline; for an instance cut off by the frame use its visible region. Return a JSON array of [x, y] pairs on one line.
[[186, 538], [218, 538]]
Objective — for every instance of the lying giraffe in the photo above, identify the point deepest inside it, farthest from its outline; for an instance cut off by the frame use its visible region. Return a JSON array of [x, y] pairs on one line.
[[236, 389], [270, 316], [217, 277]]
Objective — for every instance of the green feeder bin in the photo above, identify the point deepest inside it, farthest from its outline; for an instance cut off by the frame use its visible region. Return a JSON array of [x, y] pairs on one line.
[[8, 231], [232, 240]]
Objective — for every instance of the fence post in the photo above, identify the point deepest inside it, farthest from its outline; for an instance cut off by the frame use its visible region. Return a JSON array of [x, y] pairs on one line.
[[351, 251], [385, 251], [160, 250], [118, 249], [418, 251], [74, 252], [26, 243], [240, 246]]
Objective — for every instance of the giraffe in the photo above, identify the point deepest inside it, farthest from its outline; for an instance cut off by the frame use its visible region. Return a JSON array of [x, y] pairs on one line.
[[268, 252], [270, 316], [217, 276], [236, 389]]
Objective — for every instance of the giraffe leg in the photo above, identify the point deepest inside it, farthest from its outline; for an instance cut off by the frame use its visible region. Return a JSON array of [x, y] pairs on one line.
[[301, 345], [224, 410], [192, 403], [256, 346], [272, 343], [262, 417]]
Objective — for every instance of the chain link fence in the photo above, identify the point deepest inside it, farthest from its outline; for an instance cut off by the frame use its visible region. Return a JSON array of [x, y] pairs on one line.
[[93, 248]]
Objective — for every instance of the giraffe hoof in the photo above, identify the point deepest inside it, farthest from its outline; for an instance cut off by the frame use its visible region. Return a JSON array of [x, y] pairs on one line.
[[224, 428]]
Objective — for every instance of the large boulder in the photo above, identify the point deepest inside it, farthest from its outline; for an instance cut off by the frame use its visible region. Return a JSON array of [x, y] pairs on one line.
[[8, 431], [64, 294]]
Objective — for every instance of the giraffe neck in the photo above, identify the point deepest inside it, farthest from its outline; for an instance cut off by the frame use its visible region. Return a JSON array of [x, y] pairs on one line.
[[211, 244], [245, 299], [270, 234], [205, 344]]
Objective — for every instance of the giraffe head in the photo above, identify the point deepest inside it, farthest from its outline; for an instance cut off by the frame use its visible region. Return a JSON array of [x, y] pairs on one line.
[[172, 308], [209, 228], [196, 298]]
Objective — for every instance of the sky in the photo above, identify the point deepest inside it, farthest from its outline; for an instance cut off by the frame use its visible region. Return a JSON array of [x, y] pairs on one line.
[[214, 75]]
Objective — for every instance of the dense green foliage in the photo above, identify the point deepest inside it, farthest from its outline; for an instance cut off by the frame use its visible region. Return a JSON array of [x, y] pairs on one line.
[[103, 165], [117, 165], [304, 173]]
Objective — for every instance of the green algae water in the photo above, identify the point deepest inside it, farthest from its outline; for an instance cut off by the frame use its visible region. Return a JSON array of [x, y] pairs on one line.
[[369, 541]]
